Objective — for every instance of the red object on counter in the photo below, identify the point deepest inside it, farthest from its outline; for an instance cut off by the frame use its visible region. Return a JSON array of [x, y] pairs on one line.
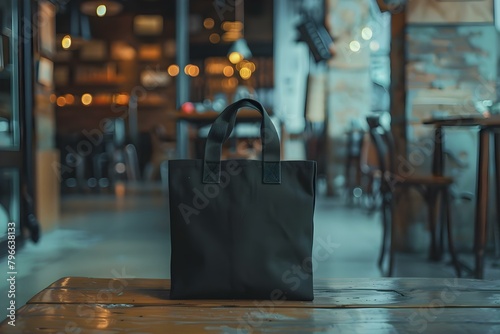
[[188, 108]]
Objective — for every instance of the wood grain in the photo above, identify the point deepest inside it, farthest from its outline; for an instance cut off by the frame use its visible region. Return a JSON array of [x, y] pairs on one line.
[[100, 305], [413, 292], [45, 318]]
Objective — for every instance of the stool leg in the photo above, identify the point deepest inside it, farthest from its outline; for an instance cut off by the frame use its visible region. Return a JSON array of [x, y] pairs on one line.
[[392, 237], [432, 198], [443, 214], [437, 160], [496, 150], [347, 175], [348, 161], [385, 228], [481, 202], [388, 235], [451, 248]]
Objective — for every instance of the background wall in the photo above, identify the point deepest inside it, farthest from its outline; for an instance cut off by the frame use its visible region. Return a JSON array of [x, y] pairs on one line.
[[291, 64], [450, 70], [47, 178], [361, 61]]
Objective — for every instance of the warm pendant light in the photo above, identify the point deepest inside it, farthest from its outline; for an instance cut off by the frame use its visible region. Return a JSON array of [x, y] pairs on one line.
[[75, 27], [239, 50], [100, 7]]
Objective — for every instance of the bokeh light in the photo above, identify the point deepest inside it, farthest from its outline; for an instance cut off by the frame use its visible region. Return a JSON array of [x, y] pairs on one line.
[[214, 38], [70, 98], [66, 42], [228, 71], [61, 101], [367, 33], [374, 46], [245, 73], [235, 57], [173, 70], [192, 70], [355, 46], [101, 10], [209, 23], [86, 99]]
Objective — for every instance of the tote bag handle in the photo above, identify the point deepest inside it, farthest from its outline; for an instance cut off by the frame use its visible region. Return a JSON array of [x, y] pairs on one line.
[[221, 130]]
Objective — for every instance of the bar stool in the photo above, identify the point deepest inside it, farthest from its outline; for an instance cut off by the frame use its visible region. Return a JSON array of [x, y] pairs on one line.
[[431, 187]]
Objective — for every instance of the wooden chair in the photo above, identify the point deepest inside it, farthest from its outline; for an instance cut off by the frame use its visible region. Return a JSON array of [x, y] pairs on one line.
[[393, 182], [371, 175]]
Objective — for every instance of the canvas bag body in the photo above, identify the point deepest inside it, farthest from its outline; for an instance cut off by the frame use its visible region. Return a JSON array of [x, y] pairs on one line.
[[236, 236]]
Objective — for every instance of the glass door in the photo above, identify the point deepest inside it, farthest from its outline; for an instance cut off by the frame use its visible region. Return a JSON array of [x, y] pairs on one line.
[[9, 77], [16, 163]]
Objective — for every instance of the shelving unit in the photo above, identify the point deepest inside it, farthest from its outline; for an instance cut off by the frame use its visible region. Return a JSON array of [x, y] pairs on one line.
[[118, 77], [118, 66], [108, 80]]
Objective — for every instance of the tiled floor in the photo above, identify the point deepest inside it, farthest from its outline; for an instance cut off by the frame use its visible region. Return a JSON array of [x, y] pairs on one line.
[[109, 236]]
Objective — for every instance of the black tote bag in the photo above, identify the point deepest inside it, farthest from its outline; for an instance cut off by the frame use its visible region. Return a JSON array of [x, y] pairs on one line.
[[241, 229]]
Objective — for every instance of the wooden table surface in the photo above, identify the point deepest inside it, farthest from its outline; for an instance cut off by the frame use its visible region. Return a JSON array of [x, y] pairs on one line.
[[368, 305], [464, 120]]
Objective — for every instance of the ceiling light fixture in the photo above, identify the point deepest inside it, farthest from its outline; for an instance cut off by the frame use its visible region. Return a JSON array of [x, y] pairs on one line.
[[101, 8], [73, 27], [239, 50]]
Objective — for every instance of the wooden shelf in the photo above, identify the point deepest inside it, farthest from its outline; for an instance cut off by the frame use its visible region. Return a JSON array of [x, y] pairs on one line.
[[85, 87], [110, 107]]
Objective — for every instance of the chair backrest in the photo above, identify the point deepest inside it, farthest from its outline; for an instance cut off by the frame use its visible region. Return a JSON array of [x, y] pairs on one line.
[[383, 140], [132, 163]]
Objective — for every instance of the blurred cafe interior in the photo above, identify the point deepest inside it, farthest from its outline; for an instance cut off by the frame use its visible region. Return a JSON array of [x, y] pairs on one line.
[[396, 100]]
